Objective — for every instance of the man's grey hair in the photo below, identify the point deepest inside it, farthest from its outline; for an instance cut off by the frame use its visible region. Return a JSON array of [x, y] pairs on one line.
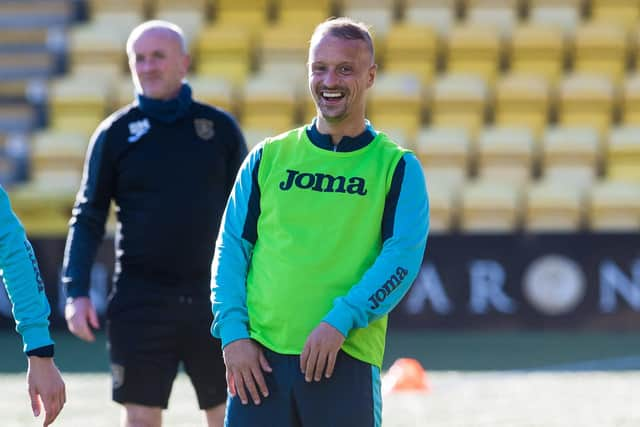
[[156, 24], [344, 28]]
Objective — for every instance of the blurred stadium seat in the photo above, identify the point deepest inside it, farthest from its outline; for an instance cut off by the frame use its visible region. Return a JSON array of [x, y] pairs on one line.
[[443, 207], [499, 14], [304, 13], [630, 108], [270, 102], [459, 100], [60, 154], [522, 99], [625, 13], [490, 206], [614, 206], [623, 154], [571, 154], [225, 50], [396, 101], [538, 49], [553, 206], [249, 14], [475, 50], [601, 49], [445, 156], [586, 99], [562, 14], [505, 153], [78, 103], [437, 14], [412, 48]]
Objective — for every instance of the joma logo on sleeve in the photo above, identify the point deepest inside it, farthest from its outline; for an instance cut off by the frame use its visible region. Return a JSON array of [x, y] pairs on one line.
[[389, 286]]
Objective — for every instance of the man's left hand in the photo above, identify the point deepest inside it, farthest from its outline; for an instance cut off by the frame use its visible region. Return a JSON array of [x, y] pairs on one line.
[[320, 351]]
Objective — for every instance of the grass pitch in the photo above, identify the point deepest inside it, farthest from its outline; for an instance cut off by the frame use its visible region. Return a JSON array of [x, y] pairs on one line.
[[456, 399]]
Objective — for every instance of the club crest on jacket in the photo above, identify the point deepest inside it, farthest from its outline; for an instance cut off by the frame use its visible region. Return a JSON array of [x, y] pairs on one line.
[[204, 128]]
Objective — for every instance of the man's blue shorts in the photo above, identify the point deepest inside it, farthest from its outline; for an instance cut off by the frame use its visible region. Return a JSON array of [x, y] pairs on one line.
[[350, 398]]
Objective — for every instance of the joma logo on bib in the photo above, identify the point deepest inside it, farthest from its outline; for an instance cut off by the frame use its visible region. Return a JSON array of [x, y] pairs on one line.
[[324, 182]]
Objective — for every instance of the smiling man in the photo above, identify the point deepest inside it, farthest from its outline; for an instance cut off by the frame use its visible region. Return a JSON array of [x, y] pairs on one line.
[[322, 236], [169, 163]]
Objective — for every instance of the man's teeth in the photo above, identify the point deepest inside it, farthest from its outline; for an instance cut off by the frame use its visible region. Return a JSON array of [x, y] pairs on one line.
[[332, 94]]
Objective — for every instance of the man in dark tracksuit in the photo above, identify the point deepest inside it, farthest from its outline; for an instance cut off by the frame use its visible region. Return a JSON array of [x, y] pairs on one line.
[[168, 163]]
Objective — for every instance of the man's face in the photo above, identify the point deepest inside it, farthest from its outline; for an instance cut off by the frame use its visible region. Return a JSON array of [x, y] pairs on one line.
[[340, 72], [158, 64]]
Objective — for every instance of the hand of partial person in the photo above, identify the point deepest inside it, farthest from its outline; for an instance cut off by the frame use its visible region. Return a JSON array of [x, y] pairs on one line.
[[320, 351], [46, 388], [81, 318], [245, 363]]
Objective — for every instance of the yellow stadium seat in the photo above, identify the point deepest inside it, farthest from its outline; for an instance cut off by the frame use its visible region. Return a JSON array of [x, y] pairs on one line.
[[124, 93], [571, 154], [562, 14], [396, 101], [78, 103], [553, 206], [586, 100], [283, 47], [522, 100], [254, 135], [215, 91], [269, 102], [57, 151], [619, 12], [459, 100], [490, 206], [538, 49], [623, 154], [474, 49], [601, 48], [225, 51], [44, 207], [499, 14], [139, 7], [191, 21], [445, 155], [397, 135], [412, 48], [443, 207], [305, 13], [437, 14], [505, 153], [631, 100], [198, 6], [100, 43], [248, 14], [614, 206], [378, 14]]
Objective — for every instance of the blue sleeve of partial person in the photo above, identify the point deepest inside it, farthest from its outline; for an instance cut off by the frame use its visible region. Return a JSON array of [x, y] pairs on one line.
[[405, 226], [22, 280], [237, 237], [87, 225]]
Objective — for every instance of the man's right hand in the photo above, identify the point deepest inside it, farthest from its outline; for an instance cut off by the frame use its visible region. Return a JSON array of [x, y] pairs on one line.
[[81, 318], [245, 362]]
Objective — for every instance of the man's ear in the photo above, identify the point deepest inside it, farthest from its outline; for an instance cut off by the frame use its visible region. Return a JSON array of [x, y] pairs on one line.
[[372, 75]]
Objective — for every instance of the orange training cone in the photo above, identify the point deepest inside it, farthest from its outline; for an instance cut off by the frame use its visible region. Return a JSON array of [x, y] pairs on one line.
[[405, 375]]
